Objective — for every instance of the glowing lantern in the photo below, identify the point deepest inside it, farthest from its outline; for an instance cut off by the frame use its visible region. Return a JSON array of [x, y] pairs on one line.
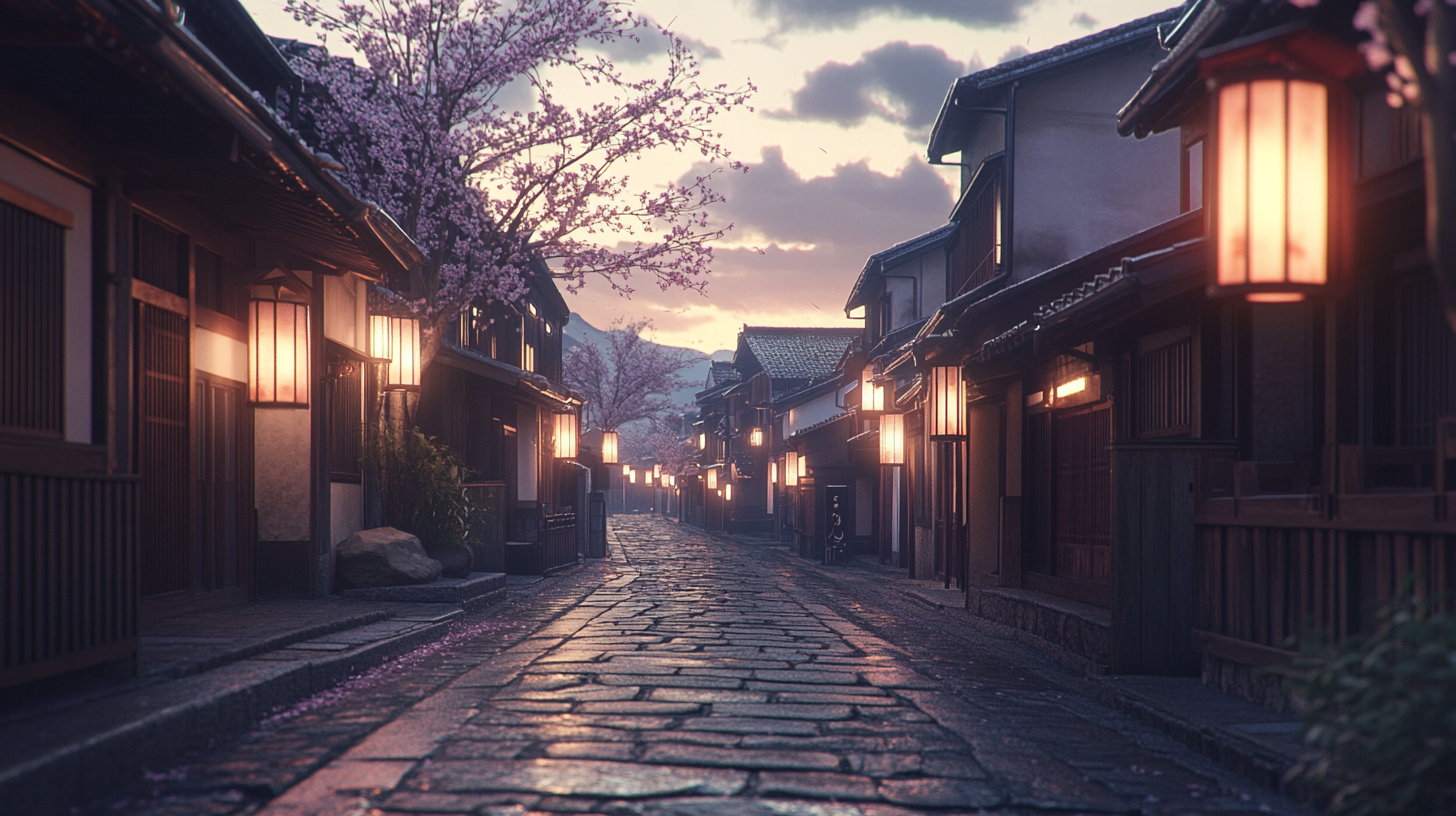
[[278, 354], [564, 427], [702, 441], [632, 476], [947, 396], [773, 473], [892, 439], [728, 492], [755, 437], [871, 395], [803, 466], [609, 447], [791, 469], [1071, 387], [1276, 235], [626, 470], [396, 339], [657, 471], [712, 478]]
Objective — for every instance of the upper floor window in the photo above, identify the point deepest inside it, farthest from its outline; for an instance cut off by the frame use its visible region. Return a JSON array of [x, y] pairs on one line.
[[32, 320], [160, 256], [976, 257]]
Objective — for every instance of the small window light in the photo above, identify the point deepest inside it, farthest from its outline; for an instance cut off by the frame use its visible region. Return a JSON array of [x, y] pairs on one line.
[[1071, 387], [532, 308]]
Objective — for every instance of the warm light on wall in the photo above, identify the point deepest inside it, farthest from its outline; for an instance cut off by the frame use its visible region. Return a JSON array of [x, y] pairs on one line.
[[712, 478], [947, 398], [647, 478], [892, 439], [755, 437], [1071, 387], [396, 339], [565, 436], [871, 394], [609, 447], [791, 469], [278, 354]]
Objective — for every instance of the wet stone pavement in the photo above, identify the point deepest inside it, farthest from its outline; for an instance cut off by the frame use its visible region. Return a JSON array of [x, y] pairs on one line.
[[690, 675]]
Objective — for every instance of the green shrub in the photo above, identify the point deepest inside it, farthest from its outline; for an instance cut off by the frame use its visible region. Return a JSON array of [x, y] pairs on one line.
[[422, 486], [1382, 712]]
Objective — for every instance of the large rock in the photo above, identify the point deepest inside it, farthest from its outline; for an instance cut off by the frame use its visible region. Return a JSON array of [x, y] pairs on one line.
[[384, 557], [456, 558]]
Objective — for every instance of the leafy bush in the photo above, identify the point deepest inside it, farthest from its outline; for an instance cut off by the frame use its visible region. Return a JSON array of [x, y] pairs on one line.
[[422, 482], [1382, 712]]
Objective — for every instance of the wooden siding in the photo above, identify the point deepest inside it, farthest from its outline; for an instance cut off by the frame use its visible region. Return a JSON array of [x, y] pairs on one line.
[[69, 549], [1162, 399], [1084, 496], [162, 449]]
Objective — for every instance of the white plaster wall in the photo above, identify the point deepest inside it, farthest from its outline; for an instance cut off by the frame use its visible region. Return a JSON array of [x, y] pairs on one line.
[[813, 412], [219, 354], [986, 138], [527, 447], [54, 188], [346, 514], [932, 282], [281, 445], [1079, 185], [342, 299]]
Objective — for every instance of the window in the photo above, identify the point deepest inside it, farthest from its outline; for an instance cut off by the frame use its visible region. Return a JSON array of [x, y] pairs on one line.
[[215, 281], [32, 312], [345, 417], [1164, 376], [1191, 197], [887, 315], [160, 256], [976, 257], [1427, 364]]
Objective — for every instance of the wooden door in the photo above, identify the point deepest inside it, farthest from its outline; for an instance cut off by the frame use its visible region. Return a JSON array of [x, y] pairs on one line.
[[222, 498], [162, 416], [1083, 495]]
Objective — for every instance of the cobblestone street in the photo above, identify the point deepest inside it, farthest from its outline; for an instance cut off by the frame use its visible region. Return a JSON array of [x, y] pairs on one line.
[[692, 675]]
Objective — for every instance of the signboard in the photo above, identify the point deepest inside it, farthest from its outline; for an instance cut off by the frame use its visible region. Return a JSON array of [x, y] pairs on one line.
[[838, 521]]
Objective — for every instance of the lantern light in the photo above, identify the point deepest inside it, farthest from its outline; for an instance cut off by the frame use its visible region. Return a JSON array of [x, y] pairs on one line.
[[609, 447], [1071, 387], [871, 394], [626, 470], [565, 436], [657, 471], [755, 437], [632, 476], [396, 339], [702, 441], [803, 466], [712, 478], [1275, 228], [947, 403], [773, 473], [728, 492], [791, 469], [278, 354], [892, 439]]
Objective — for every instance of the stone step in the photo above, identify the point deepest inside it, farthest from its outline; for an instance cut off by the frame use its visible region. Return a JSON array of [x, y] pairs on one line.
[[480, 589]]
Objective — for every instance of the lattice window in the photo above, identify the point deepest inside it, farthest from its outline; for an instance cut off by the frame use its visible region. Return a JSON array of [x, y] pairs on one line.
[[346, 417], [1084, 496], [162, 449], [160, 256], [1164, 379], [32, 320], [977, 255], [1427, 364]]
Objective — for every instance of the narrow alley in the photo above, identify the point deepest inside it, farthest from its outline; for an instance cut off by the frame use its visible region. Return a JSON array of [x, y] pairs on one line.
[[695, 675]]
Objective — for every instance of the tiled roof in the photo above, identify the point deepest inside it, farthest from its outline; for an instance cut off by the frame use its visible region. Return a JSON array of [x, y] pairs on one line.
[[797, 354], [720, 374], [888, 257]]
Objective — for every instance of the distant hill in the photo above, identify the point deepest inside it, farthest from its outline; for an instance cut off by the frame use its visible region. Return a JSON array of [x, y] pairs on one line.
[[579, 331]]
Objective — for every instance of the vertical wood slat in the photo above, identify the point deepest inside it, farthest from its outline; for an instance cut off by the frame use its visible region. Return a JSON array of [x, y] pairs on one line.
[[71, 584], [32, 312], [163, 445]]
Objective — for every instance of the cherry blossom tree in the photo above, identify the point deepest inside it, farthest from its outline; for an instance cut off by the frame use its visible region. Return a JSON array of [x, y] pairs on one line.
[[423, 130], [628, 381]]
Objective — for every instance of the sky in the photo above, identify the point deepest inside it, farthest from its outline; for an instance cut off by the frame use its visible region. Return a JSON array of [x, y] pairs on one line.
[[835, 143]]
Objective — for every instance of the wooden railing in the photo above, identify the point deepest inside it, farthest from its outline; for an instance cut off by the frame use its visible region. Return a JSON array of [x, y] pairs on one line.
[[558, 540], [68, 546], [1271, 568]]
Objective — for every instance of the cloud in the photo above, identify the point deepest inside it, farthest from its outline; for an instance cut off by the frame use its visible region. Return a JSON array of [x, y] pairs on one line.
[[1084, 20], [831, 14], [650, 43], [898, 82], [1014, 52]]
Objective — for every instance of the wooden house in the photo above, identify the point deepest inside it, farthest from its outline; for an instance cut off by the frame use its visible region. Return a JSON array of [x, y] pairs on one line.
[[183, 365]]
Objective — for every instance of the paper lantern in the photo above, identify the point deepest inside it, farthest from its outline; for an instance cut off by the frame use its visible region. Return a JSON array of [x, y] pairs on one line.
[[396, 339], [728, 492], [565, 436], [947, 396], [755, 437], [609, 447], [712, 478], [791, 469], [871, 394], [892, 439], [278, 354]]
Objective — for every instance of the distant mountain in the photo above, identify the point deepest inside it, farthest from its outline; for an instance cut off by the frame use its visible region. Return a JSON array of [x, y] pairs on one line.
[[579, 331]]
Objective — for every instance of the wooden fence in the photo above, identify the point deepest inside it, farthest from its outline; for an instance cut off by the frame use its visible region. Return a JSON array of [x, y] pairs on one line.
[[68, 546]]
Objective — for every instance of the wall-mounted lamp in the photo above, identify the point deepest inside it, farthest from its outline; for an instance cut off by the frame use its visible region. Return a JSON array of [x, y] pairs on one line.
[[728, 492], [626, 470], [278, 354], [702, 441], [803, 466], [565, 435], [791, 469], [947, 403], [609, 447], [631, 476], [396, 339], [892, 439], [712, 478], [755, 437], [871, 394]]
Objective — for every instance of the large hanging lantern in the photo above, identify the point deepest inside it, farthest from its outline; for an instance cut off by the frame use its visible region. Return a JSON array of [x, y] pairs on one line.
[[712, 478], [1276, 222], [565, 435], [892, 439], [396, 339], [278, 354], [791, 469], [947, 397], [871, 394], [609, 447]]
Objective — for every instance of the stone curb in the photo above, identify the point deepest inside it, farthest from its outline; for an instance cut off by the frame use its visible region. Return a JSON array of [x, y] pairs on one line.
[[215, 704]]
